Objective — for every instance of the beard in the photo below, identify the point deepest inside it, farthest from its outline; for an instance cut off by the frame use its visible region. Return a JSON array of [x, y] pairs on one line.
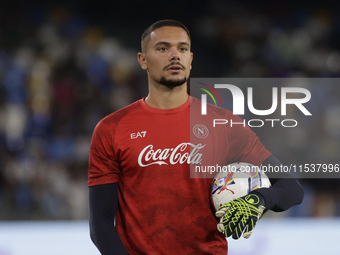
[[172, 83]]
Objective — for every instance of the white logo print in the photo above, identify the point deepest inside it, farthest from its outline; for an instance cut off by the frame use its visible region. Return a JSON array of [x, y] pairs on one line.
[[200, 131], [138, 134], [175, 155]]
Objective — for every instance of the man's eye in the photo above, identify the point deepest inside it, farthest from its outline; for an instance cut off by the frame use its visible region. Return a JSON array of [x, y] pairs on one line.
[[162, 49], [184, 49]]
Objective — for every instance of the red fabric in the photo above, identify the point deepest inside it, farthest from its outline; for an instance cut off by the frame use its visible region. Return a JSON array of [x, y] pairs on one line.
[[147, 150]]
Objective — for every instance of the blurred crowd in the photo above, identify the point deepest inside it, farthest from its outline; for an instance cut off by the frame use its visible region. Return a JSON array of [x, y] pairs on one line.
[[61, 72]]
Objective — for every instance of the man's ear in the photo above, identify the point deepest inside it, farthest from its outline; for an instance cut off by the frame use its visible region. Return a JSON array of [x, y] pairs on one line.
[[192, 56], [142, 60]]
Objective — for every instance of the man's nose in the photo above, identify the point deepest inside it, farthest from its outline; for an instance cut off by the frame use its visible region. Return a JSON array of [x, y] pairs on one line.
[[174, 54]]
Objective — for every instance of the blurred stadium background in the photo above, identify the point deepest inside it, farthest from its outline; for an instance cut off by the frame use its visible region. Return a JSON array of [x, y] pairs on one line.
[[65, 65]]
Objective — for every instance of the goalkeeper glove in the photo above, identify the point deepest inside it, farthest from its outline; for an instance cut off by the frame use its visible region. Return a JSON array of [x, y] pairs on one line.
[[240, 215]]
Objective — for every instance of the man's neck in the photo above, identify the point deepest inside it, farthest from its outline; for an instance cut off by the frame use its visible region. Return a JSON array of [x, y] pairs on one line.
[[165, 98]]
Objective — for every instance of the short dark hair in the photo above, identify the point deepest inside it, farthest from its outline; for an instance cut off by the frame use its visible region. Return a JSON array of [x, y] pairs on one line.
[[163, 23]]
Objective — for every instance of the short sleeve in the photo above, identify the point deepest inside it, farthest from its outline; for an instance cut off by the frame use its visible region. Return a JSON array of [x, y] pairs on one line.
[[103, 165], [245, 145]]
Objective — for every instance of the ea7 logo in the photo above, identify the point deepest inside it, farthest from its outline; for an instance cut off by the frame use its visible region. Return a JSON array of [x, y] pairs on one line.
[[138, 134]]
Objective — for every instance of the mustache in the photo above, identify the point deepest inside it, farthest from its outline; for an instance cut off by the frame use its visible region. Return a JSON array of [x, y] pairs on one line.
[[172, 64]]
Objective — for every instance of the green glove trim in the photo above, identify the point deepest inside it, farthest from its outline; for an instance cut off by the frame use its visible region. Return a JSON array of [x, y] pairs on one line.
[[240, 215]]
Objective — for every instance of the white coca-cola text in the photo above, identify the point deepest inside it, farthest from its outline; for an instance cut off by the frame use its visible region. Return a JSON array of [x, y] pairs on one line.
[[178, 155]]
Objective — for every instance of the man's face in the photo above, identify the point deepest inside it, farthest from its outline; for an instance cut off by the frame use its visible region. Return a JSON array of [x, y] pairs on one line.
[[167, 56]]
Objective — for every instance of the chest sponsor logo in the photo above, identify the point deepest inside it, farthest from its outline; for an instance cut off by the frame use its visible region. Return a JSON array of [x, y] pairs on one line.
[[183, 153]]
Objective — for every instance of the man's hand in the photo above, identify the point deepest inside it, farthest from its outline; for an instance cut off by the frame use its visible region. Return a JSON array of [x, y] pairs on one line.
[[240, 215]]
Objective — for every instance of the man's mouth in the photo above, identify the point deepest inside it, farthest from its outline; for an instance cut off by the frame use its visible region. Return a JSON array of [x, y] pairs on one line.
[[174, 67]]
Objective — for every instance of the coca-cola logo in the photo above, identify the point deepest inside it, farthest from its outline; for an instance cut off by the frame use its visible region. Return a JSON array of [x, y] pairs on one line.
[[178, 155]]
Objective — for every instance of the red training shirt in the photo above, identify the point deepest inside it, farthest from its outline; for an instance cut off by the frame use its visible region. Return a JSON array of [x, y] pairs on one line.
[[162, 210]]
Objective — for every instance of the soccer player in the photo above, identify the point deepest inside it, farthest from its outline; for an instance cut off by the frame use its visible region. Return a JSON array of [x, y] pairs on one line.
[[142, 199]]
